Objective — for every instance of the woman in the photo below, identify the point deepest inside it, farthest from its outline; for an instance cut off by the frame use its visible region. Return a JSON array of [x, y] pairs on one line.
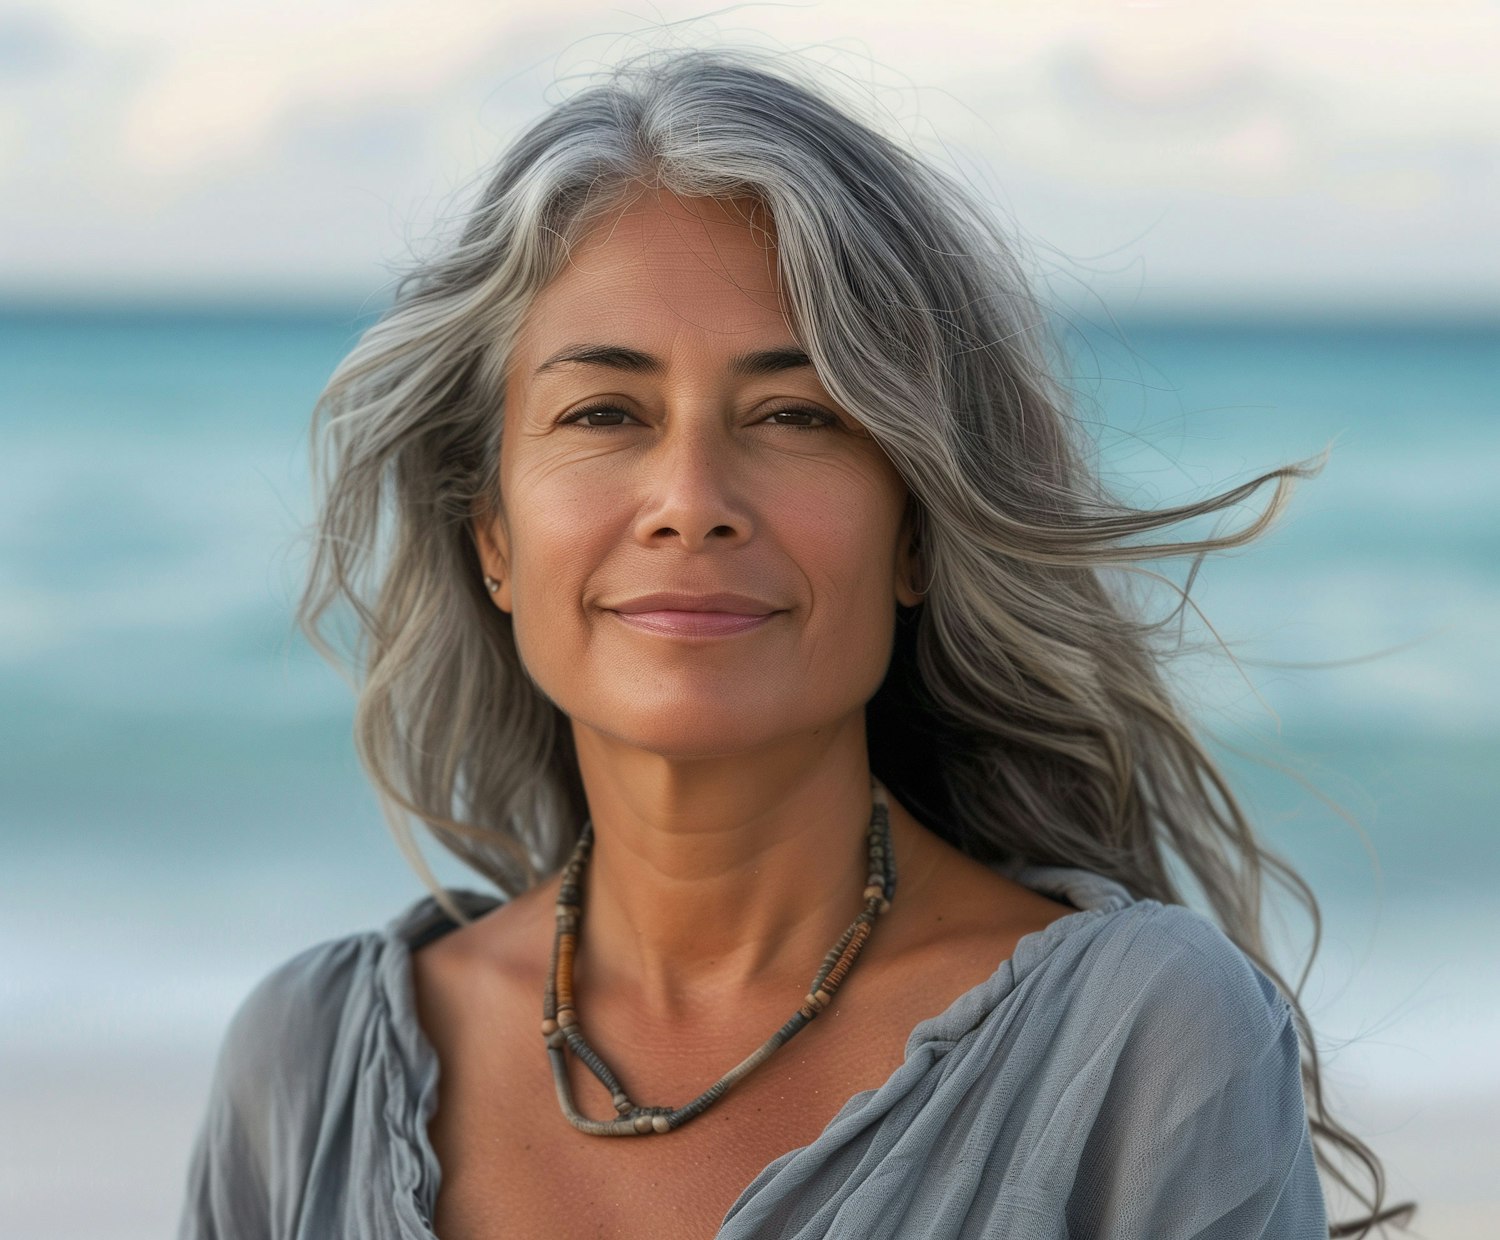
[[743, 621]]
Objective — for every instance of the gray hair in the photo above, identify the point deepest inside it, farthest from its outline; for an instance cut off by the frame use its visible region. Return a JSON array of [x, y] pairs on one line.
[[1025, 716]]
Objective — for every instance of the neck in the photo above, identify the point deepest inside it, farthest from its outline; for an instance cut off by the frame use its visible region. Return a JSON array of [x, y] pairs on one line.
[[712, 877]]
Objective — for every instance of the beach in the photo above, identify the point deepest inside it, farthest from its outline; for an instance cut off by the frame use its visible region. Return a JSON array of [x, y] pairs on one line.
[[183, 808]]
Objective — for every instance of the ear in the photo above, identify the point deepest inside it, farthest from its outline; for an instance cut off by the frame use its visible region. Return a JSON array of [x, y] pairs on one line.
[[911, 565], [492, 542]]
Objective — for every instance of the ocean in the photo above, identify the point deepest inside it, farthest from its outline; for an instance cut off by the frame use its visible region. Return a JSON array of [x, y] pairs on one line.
[[181, 808]]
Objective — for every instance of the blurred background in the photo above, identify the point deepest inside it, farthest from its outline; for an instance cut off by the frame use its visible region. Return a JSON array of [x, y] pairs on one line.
[[1264, 228]]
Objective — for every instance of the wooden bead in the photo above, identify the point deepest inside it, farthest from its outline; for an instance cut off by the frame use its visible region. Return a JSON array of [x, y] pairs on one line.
[[561, 1030]]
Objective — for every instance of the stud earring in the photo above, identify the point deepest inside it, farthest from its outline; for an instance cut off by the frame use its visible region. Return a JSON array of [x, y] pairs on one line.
[[491, 583]]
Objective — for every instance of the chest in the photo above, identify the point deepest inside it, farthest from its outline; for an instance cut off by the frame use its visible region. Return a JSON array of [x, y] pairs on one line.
[[514, 1167]]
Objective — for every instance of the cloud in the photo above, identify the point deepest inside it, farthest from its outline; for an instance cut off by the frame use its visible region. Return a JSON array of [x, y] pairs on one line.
[[206, 145]]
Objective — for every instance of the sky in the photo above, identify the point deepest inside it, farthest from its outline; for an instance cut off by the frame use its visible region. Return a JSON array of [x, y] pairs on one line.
[[1325, 155]]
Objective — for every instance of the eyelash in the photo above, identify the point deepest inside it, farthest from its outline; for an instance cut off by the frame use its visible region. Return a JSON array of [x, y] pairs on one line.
[[577, 416]]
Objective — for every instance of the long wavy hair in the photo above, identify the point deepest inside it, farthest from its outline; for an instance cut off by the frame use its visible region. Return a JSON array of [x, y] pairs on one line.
[[1025, 716]]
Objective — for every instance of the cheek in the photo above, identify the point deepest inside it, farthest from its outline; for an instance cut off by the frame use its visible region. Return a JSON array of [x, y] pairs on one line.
[[558, 518], [843, 533], [841, 537], [558, 537]]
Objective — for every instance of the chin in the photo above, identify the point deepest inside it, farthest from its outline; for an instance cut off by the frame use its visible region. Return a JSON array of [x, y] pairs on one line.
[[690, 733], [700, 728]]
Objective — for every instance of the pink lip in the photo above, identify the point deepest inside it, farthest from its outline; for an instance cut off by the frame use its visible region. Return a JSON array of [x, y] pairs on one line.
[[693, 623], [676, 600]]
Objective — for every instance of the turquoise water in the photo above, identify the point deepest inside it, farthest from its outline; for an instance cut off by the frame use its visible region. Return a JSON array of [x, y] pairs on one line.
[[182, 808]]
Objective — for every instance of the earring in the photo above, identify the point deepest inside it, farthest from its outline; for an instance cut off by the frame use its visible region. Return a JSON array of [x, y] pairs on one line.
[[491, 583]]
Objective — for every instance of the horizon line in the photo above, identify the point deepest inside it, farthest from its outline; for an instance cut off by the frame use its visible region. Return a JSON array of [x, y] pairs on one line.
[[335, 306]]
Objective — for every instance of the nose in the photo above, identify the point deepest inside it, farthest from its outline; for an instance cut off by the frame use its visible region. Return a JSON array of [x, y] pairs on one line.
[[693, 488]]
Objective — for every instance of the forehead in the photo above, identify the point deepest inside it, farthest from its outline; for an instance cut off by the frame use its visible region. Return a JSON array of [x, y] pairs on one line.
[[663, 267]]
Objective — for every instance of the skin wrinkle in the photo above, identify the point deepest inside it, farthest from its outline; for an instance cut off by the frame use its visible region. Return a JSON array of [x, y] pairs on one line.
[[996, 751], [713, 769]]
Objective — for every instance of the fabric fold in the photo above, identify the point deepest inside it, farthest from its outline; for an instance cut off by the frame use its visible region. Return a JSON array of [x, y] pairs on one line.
[[1124, 1041]]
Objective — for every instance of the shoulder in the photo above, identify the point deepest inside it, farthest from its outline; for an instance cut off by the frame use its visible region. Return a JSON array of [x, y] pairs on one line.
[[272, 1081], [1188, 1080], [1148, 995], [303, 997], [1194, 973], [1170, 966], [1173, 954], [322, 1047], [281, 1042], [292, 1022]]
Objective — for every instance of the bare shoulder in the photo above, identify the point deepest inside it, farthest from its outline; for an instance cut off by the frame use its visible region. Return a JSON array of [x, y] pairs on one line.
[[956, 907], [506, 949]]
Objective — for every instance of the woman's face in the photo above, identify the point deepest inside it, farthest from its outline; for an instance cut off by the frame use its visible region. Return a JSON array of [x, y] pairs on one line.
[[663, 434]]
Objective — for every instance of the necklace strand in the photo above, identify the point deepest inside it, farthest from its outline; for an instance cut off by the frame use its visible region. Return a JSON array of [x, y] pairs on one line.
[[560, 1025]]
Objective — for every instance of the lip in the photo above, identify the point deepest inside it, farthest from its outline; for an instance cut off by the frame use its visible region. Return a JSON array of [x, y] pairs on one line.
[[676, 600], [677, 614], [672, 623]]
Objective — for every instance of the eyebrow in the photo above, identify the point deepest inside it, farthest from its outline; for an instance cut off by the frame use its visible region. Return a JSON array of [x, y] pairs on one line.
[[619, 357]]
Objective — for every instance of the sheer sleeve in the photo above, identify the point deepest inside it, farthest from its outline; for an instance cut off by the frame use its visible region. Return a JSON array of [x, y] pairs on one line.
[[1202, 1133], [258, 1134], [227, 1193]]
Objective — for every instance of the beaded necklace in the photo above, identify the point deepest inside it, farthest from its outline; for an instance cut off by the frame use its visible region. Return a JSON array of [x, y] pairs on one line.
[[560, 1015]]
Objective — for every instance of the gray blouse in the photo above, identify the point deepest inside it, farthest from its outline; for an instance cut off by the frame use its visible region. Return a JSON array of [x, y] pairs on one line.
[[1126, 1073]]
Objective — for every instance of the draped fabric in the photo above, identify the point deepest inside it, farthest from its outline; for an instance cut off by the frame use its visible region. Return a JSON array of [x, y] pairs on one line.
[[1126, 1073]]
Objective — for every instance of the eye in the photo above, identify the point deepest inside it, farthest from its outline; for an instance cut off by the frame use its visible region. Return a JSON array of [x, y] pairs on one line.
[[595, 411], [803, 419], [820, 420]]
